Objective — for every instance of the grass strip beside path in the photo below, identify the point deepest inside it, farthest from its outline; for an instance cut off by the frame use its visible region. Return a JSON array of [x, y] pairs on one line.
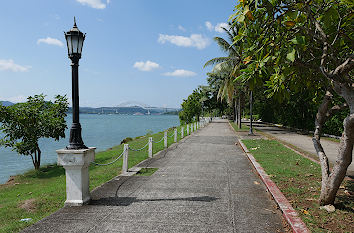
[[244, 127], [38, 194], [299, 179]]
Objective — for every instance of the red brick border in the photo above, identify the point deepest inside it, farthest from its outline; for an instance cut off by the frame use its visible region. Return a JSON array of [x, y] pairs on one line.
[[295, 222]]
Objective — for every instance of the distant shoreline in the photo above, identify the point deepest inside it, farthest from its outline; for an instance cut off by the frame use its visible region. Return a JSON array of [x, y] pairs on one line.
[[101, 131]]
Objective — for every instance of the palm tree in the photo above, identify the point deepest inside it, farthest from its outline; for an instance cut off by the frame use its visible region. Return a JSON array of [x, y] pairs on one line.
[[226, 69]]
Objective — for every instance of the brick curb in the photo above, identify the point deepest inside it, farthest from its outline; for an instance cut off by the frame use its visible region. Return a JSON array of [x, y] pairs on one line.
[[291, 216]]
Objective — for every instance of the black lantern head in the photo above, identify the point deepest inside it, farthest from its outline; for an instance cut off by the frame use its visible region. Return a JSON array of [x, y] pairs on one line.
[[74, 40]]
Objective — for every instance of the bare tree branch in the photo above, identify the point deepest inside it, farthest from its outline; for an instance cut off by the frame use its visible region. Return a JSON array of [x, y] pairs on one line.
[[344, 68]]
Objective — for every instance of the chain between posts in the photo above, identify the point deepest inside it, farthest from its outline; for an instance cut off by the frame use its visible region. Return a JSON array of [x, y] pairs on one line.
[[140, 148], [115, 160], [105, 164], [158, 141]]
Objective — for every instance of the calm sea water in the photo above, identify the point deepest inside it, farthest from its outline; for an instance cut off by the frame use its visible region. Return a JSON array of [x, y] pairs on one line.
[[100, 131]]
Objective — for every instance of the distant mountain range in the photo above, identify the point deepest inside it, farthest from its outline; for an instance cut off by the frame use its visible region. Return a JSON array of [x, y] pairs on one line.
[[6, 103], [128, 110], [133, 110]]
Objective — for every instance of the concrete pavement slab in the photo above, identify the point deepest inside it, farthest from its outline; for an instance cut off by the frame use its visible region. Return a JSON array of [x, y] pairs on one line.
[[205, 183]]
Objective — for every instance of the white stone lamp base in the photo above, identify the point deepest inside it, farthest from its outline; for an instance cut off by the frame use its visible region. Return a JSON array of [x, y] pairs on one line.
[[76, 164]]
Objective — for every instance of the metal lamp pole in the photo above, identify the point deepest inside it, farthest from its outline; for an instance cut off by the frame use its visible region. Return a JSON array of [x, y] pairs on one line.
[[75, 39], [251, 116]]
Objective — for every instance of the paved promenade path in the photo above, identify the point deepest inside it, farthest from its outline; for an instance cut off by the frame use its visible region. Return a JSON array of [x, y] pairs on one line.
[[204, 183], [304, 142]]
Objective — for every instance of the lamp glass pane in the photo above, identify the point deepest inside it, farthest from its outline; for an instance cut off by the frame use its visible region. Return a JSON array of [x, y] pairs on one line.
[[68, 42], [81, 42], [75, 41]]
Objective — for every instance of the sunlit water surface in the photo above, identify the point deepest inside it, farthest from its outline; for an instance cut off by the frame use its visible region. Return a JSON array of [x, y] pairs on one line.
[[100, 131]]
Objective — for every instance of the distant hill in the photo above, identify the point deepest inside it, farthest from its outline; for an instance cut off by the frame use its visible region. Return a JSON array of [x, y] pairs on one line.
[[133, 110], [6, 103], [171, 113], [129, 110]]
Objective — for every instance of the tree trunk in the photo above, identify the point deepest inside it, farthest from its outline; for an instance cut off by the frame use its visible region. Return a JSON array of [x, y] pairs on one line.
[[332, 180], [251, 114], [37, 159], [239, 112], [344, 158], [234, 110]]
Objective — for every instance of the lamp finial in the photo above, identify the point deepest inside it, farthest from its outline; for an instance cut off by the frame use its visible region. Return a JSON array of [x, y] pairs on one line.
[[75, 22]]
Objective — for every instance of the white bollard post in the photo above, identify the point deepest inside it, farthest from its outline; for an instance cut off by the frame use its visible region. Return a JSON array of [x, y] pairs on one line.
[[125, 158], [150, 147], [187, 129], [191, 127], [165, 139], [182, 132], [76, 163], [176, 134], [195, 126]]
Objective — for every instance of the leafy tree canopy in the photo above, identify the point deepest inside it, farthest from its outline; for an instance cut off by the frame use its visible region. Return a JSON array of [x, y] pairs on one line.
[[297, 45], [191, 108], [23, 124]]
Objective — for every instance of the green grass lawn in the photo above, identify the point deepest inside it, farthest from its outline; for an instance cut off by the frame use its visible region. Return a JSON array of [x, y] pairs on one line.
[[299, 179], [244, 127], [146, 171], [38, 194]]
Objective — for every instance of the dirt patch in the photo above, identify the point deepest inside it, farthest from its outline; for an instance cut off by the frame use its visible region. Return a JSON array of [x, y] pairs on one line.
[[244, 135], [29, 205], [10, 182], [306, 203]]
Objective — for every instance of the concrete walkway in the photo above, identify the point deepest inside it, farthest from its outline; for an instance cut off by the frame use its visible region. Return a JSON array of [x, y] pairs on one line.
[[204, 183], [303, 142]]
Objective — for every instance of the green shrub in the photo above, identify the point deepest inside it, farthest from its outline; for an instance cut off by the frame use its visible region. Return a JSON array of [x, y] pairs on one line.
[[126, 140]]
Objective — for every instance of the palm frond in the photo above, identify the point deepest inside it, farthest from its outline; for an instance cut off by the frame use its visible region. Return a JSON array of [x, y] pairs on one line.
[[216, 60], [230, 35], [230, 91], [223, 44]]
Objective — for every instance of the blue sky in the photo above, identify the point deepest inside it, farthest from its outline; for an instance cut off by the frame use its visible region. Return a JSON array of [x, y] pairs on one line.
[[151, 52]]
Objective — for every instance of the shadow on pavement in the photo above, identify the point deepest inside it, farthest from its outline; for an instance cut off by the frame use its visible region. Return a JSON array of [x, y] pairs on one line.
[[126, 201]]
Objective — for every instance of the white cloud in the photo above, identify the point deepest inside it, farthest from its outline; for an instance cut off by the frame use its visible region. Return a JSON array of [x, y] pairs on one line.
[[219, 26], [195, 40], [146, 66], [209, 26], [180, 73], [50, 41], [180, 27], [10, 65], [97, 4]]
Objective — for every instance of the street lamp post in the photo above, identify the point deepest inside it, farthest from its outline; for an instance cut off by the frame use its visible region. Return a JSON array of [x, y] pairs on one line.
[[76, 157], [251, 114], [75, 40]]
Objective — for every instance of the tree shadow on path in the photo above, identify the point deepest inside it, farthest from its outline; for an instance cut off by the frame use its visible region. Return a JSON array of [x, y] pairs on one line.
[[126, 201]]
